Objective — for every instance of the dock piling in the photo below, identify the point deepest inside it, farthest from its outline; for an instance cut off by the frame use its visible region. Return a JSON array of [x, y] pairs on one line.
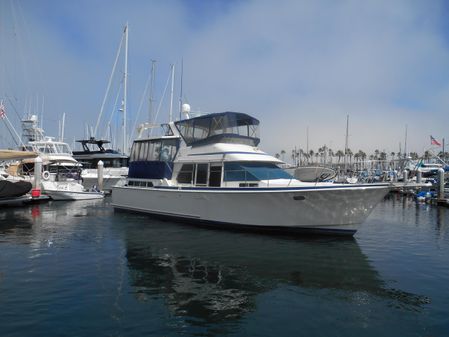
[[37, 173], [100, 168], [440, 183]]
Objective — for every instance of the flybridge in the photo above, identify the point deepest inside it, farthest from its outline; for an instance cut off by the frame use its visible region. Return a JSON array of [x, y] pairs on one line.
[[224, 127]]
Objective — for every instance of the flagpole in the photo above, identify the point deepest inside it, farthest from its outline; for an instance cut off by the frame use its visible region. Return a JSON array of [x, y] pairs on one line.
[[443, 149]]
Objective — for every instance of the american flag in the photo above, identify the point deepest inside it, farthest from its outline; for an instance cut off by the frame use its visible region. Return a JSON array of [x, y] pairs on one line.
[[433, 141], [2, 111]]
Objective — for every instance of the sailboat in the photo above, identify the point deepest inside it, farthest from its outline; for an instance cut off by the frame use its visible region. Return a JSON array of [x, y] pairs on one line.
[[93, 149]]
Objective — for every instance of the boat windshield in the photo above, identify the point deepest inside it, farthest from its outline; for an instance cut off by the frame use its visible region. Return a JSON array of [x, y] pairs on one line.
[[53, 148], [253, 171], [225, 127], [63, 148]]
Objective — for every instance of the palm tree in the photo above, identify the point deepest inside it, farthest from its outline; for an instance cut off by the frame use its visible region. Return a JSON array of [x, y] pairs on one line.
[[331, 154], [311, 154], [339, 154], [283, 154], [277, 155], [357, 158], [392, 154], [350, 154], [383, 159]]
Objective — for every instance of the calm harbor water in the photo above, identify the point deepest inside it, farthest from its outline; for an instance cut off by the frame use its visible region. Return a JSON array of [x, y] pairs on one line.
[[79, 269]]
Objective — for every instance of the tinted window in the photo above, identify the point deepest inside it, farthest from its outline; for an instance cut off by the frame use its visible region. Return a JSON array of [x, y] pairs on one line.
[[215, 176], [185, 176], [201, 174]]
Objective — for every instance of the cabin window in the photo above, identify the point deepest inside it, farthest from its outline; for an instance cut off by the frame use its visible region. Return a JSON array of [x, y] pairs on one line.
[[215, 176], [186, 174], [201, 174]]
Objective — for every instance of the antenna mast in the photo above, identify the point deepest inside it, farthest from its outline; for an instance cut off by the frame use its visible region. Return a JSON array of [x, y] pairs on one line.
[[346, 141]]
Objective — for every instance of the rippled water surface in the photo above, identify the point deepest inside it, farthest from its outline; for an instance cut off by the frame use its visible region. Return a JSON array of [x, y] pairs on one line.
[[79, 269]]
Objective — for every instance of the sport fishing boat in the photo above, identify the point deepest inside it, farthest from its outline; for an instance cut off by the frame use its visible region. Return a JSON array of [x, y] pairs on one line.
[[61, 174], [115, 163], [209, 170]]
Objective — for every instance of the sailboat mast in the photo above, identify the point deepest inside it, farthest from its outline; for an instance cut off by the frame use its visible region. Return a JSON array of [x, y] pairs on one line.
[[150, 108], [346, 141], [125, 91], [180, 92], [171, 92], [62, 127], [405, 144]]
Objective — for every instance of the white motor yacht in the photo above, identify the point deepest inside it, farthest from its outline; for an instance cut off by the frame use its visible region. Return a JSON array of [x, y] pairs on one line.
[[61, 174], [209, 170]]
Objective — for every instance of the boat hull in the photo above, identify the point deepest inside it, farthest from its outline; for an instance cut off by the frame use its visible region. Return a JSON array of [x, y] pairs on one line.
[[69, 195], [333, 209]]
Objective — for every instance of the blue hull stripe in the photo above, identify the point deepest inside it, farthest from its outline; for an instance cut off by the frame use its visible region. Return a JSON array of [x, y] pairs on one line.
[[241, 189], [229, 152]]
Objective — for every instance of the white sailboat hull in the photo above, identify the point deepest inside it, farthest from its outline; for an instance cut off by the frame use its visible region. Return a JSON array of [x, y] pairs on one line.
[[337, 209]]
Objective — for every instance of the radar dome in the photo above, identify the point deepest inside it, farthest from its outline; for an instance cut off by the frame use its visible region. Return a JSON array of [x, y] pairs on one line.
[[185, 108]]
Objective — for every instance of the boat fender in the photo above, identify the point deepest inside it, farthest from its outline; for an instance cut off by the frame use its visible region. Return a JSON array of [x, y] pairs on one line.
[[45, 175]]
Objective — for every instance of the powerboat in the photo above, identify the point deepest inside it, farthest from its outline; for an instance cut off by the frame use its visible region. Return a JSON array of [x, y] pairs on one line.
[[61, 174], [115, 163], [209, 170], [69, 190]]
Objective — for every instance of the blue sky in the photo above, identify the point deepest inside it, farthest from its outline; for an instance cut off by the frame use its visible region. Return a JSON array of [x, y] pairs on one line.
[[291, 64]]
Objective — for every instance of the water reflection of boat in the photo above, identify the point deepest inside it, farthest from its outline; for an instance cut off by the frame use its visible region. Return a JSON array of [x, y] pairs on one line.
[[214, 276], [44, 221]]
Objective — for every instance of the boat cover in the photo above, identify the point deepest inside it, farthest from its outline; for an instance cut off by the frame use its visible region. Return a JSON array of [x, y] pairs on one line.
[[9, 189], [16, 155]]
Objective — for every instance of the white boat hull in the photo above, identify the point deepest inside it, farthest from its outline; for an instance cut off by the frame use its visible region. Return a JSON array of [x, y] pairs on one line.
[[68, 190], [339, 208], [68, 195]]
